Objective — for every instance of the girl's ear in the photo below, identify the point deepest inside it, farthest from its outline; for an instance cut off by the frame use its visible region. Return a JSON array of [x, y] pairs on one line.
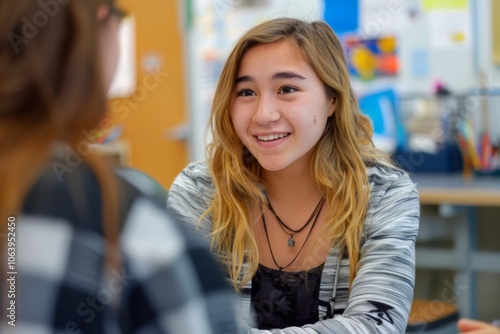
[[333, 106], [102, 12]]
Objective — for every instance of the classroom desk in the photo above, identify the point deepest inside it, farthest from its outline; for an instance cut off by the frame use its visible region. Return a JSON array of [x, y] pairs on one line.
[[453, 193]]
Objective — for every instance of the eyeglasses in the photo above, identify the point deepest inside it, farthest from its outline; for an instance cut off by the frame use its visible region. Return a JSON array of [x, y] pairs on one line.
[[119, 13]]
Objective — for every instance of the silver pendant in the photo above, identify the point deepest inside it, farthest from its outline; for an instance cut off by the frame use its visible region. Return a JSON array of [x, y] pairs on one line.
[[291, 241]]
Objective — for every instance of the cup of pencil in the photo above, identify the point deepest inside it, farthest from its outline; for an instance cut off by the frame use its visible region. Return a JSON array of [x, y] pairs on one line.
[[480, 155]]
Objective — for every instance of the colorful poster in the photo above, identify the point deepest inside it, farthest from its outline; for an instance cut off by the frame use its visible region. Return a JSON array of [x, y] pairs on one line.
[[372, 58]]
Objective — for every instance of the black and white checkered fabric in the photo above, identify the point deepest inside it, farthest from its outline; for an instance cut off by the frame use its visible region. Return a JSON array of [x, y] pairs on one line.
[[169, 282]]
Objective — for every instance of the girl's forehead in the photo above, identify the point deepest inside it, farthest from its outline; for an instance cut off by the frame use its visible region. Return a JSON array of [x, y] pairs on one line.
[[279, 52], [283, 44]]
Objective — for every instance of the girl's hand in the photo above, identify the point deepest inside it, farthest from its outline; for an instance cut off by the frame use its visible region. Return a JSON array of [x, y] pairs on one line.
[[476, 327]]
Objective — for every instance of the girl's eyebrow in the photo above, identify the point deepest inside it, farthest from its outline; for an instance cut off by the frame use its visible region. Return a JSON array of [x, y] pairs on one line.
[[243, 78], [287, 75], [276, 76]]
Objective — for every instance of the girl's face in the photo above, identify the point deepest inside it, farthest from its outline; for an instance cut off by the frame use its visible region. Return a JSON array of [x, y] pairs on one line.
[[280, 106]]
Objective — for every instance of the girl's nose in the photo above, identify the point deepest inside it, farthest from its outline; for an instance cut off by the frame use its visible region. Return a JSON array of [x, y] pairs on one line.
[[266, 111]]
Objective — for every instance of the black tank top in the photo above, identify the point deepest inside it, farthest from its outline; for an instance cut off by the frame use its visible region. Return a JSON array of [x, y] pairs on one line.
[[289, 299]]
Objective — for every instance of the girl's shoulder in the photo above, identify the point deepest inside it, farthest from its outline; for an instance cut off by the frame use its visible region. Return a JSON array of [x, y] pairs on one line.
[[191, 191], [195, 176], [382, 177]]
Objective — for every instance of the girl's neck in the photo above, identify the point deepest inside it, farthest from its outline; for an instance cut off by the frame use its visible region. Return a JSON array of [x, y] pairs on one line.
[[291, 189]]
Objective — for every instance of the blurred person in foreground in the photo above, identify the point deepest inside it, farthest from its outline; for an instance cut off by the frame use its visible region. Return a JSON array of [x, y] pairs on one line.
[[315, 226], [86, 252]]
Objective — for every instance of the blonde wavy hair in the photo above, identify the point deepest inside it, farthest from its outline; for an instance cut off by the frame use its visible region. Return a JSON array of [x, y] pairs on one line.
[[338, 166]]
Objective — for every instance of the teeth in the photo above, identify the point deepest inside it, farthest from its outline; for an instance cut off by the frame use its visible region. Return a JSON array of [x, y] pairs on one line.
[[272, 137]]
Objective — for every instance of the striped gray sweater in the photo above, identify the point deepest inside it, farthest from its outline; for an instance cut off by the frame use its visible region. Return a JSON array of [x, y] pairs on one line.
[[381, 294]]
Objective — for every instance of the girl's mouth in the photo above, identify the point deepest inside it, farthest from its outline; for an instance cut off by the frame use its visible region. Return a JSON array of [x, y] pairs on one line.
[[273, 137]]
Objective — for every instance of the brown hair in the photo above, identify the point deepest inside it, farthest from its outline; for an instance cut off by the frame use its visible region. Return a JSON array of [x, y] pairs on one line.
[[338, 165], [51, 89]]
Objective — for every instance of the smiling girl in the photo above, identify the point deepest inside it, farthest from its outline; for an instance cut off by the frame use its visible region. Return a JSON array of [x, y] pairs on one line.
[[315, 227]]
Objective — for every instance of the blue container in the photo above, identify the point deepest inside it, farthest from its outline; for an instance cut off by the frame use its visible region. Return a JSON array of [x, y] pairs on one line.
[[447, 159]]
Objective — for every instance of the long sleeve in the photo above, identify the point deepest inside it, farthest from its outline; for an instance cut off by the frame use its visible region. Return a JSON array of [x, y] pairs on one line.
[[166, 280], [382, 292], [189, 195], [173, 284], [381, 295]]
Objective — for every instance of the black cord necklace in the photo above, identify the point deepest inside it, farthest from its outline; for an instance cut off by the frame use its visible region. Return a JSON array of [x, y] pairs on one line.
[[280, 281], [291, 231]]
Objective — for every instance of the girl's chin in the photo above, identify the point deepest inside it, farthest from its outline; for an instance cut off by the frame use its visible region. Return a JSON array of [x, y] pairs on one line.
[[272, 166]]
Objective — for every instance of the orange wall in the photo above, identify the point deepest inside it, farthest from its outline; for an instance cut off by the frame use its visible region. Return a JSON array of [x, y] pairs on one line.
[[159, 103]]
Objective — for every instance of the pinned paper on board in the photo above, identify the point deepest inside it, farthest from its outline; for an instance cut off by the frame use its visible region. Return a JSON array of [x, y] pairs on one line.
[[381, 17], [342, 16], [450, 29], [420, 64], [430, 5], [372, 58]]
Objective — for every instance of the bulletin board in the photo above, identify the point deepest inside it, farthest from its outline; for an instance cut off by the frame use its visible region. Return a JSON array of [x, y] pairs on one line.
[[429, 41]]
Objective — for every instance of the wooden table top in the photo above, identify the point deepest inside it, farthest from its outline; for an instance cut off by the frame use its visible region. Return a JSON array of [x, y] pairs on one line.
[[457, 189]]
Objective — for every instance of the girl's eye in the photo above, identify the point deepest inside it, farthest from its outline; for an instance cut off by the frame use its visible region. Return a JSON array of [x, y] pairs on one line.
[[245, 92], [287, 90]]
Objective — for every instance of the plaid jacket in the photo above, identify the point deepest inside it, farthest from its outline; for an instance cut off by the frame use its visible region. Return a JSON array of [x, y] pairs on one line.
[[169, 282]]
